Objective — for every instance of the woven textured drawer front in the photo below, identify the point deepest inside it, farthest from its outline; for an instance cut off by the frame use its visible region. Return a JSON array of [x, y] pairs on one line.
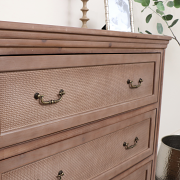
[[143, 173], [87, 160], [86, 88]]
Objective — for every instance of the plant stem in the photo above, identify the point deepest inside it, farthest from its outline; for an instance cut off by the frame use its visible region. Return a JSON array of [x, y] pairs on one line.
[[174, 37], [144, 9]]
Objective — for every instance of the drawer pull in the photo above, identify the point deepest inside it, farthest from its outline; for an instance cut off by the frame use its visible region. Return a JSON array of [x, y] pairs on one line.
[[126, 145], [40, 97], [134, 86], [60, 174]]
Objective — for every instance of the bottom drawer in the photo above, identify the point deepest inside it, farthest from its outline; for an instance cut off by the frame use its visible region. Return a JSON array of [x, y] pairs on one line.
[[142, 173]]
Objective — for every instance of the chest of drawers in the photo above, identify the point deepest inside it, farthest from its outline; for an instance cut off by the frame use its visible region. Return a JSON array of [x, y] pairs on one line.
[[78, 104]]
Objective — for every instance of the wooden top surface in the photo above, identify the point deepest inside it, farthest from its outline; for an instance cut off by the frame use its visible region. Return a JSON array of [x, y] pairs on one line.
[[27, 39], [4, 25]]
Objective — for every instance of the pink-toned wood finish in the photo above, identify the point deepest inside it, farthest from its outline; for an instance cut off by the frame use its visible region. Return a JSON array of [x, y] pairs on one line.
[[158, 112], [102, 148], [123, 168], [55, 51], [21, 35], [71, 30], [100, 78], [27, 63], [143, 173], [49, 49], [36, 143], [79, 97], [10, 34], [77, 44]]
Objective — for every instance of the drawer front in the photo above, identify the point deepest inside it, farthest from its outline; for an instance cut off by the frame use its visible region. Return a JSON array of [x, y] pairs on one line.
[[95, 88], [142, 173], [90, 159], [86, 89]]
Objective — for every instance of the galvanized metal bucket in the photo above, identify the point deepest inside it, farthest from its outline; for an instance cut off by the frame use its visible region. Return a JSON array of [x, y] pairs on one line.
[[168, 161]]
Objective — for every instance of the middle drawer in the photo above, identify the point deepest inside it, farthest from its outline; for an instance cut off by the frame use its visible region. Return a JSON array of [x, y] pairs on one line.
[[86, 156]]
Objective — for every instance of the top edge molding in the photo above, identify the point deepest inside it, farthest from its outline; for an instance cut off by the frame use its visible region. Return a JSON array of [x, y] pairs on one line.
[[16, 26]]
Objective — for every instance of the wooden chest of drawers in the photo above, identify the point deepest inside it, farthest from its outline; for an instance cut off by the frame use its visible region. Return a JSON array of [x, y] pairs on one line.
[[78, 104]]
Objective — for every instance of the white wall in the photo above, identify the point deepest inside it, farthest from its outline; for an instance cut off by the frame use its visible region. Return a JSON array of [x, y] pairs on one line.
[[53, 12], [67, 13], [170, 118]]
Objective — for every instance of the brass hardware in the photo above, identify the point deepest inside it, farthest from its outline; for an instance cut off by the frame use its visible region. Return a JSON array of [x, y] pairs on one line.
[[126, 145], [134, 86], [40, 97], [60, 174]]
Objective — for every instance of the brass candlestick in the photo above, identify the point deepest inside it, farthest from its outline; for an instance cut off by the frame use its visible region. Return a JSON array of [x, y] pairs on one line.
[[84, 10]]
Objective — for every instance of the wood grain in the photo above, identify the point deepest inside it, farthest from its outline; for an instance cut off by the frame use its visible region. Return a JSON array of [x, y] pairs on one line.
[[141, 150], [23, 63], [142, 173], [35, 131], [79, 97], [61, 51], [158, 113], [32, 47], [33, 144], [75, 44], [71, 30], [10, 34]]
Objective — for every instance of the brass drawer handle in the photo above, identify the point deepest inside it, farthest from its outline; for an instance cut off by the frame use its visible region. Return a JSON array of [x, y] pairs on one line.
[[126, 145], [41, 101], [60, 174], [134, 86]]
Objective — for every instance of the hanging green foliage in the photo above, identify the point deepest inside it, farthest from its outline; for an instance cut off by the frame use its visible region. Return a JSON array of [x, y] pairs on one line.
[[160, 11], [148, 32], [170, 4], [173, 23], [148, 18], [167, 17], [159, 28], [160, 6], [177, 3]]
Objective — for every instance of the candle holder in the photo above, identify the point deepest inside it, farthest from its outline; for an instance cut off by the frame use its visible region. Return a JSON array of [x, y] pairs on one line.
[[84, 10]]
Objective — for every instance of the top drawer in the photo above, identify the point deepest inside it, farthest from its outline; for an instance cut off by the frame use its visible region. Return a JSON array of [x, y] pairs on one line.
[[95, 87]]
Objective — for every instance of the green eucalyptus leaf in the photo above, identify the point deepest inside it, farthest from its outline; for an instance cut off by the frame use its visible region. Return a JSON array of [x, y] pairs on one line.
[[168, 17], [139, 31], [145, 3], [159, 28], [138, 1], [155, 0], [173, 23], [177, 3], [148, 32], [160, 6], [155, 3], [170, 4], [148, 18], [159, 12]]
